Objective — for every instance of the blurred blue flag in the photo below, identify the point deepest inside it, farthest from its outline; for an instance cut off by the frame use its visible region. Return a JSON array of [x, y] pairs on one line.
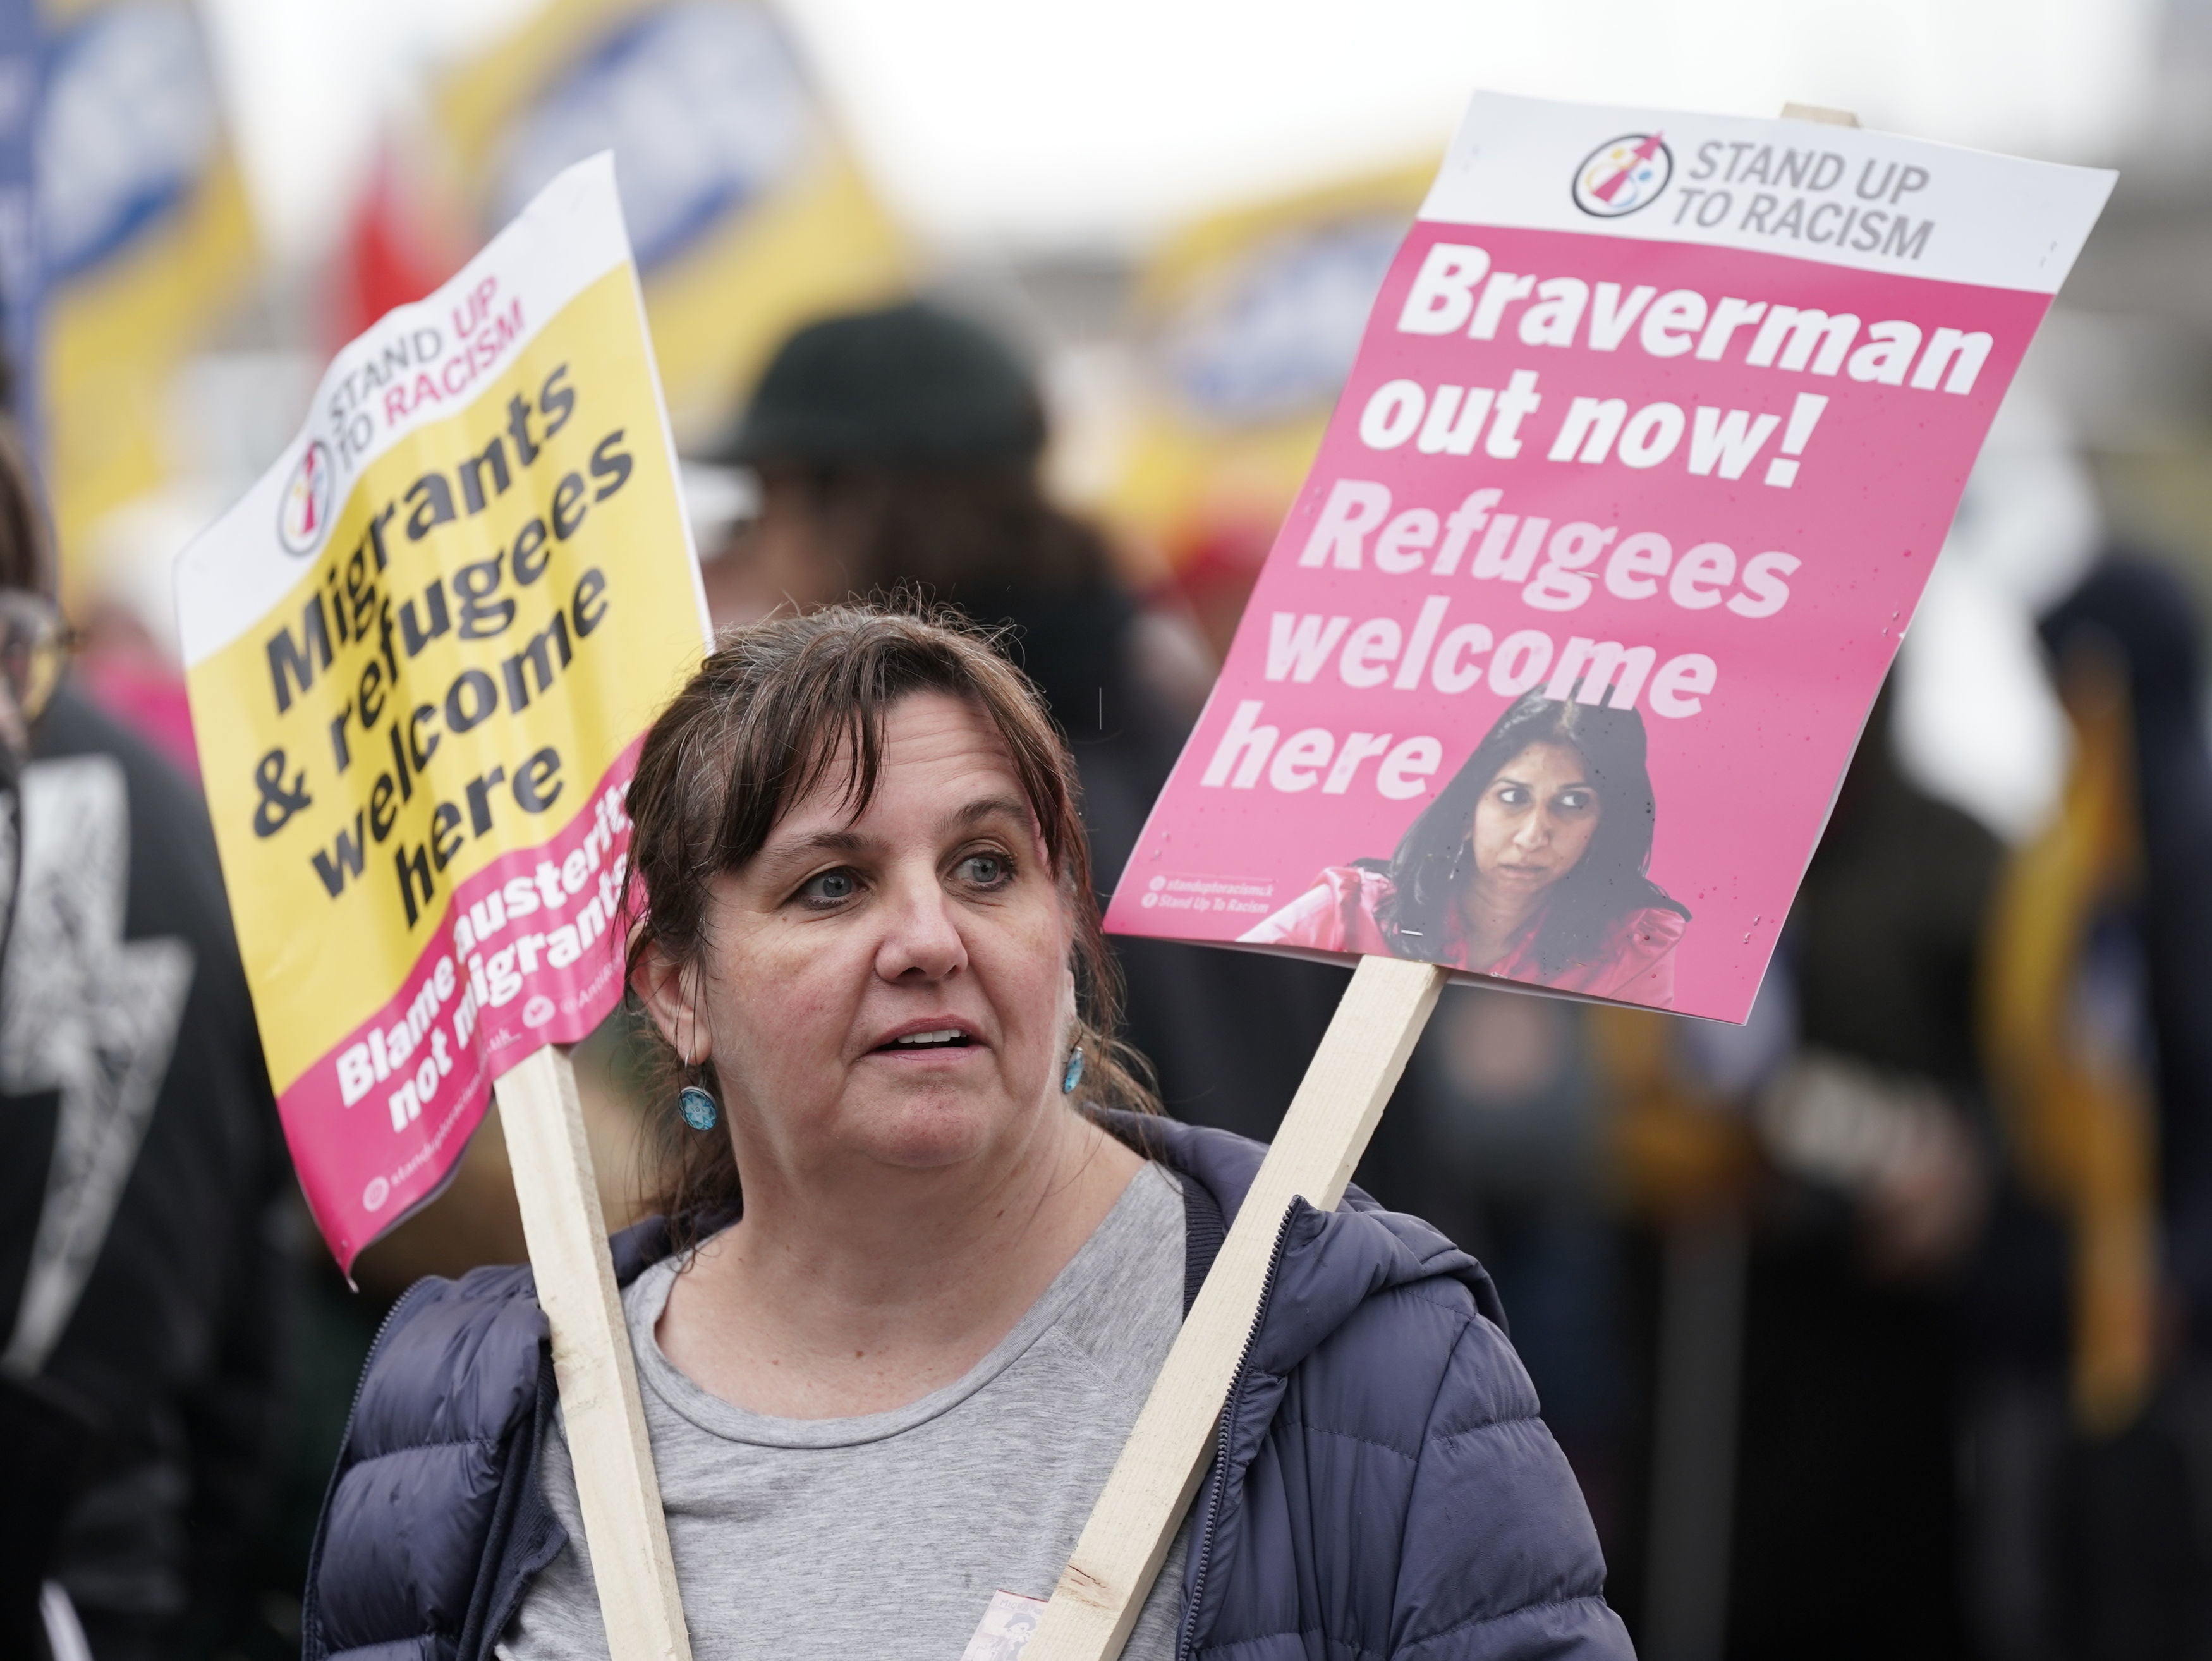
[[20, 274]]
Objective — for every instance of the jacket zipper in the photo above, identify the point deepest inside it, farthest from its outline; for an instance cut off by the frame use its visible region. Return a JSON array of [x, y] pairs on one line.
[[311, 1647], [1216, 1486]]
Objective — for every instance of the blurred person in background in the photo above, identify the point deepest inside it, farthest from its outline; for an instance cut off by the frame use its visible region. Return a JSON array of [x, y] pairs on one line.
[[1515, 1143], [142, 1283], [901, 446], [2092, 1431], [1873, 1127], [1815, 1181]]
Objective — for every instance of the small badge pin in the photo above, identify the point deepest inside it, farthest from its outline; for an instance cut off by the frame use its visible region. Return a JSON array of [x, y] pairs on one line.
[[1009, 1620]]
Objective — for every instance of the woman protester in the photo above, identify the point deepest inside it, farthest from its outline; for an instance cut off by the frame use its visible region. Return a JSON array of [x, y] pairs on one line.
[[924, 1247], [1529, 864]]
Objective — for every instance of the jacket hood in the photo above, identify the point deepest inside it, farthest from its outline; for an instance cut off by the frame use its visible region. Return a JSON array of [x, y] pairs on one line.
[[1331, 1262]]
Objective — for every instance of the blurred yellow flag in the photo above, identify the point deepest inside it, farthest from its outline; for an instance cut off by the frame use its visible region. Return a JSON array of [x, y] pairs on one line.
[[746, 209], [1247, 323], [149, 245]]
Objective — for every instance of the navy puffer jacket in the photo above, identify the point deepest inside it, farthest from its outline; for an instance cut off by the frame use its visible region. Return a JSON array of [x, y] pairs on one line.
[[1383, 1486]]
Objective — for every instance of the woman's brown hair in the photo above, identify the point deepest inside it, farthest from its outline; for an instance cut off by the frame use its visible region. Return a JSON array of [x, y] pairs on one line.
[[776, 708]]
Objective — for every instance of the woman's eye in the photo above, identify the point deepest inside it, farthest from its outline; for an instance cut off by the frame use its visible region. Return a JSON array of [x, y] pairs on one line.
[[1513, 795], [1577, 801], [985, 870], [831, 888]]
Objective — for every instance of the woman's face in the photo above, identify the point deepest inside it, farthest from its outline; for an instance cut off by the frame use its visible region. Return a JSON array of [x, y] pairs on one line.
[[892, 989], [1534, 821]]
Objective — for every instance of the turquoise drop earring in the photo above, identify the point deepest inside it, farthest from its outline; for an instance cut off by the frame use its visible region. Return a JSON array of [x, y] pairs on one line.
[[1074, 1075], [697, 1107]]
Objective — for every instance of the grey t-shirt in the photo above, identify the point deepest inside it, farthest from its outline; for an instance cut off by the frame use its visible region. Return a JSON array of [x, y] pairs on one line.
[[891, 1536]]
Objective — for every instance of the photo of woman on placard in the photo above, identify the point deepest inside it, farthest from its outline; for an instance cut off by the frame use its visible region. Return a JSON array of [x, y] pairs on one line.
[[1529, 864]]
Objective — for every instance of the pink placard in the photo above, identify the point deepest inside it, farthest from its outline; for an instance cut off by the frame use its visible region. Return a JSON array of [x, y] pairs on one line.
[[528, 952], [1558, 661]]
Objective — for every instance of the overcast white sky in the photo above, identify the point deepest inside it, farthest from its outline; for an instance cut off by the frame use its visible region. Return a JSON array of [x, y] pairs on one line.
[[1023, 124]]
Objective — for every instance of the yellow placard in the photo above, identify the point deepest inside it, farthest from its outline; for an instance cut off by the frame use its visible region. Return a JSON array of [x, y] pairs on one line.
[[421, 654]]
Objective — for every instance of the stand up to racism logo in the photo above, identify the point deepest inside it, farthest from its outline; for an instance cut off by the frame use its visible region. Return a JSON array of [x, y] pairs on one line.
[[303, 516], [1623, 175]]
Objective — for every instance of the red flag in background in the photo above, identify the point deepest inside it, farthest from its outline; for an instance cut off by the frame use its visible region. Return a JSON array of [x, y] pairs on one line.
[[404, 241]]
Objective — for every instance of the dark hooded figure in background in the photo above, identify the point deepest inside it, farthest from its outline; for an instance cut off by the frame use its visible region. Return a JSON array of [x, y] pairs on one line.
[[2092, 1438], [2140, 613], [143, 1277]]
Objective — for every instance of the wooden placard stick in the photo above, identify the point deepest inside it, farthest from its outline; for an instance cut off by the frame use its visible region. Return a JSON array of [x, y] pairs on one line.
[[616, 1487], [1320, 1140]]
